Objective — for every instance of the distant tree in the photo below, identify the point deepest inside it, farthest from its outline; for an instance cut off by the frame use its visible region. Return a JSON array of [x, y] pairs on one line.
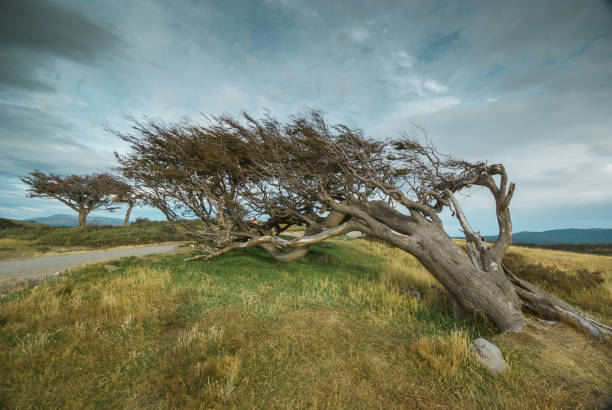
[[216, 177], [82, 193], [124, 193]]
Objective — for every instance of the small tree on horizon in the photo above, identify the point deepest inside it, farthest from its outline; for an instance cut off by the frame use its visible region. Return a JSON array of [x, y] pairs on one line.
[[82, 193], [125, 193]]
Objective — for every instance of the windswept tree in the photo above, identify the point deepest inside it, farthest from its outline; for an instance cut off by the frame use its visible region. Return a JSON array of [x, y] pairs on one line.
[[124, 193], [82, 193], [217, 175]]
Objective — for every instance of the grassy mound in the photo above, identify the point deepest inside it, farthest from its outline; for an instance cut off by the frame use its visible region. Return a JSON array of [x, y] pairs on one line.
[[341, 328], [28, 239]]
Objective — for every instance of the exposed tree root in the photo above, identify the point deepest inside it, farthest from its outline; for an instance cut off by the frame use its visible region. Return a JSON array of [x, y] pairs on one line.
[[544, 304]]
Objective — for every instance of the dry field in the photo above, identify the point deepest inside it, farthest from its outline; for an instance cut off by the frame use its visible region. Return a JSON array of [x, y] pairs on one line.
[[342, 328]]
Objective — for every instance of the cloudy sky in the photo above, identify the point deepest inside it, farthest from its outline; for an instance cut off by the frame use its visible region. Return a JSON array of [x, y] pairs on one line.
[[525, 83]]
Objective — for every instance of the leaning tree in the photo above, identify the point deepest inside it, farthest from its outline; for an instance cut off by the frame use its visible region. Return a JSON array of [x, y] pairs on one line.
[[82, 193], [124, 193], [217, 175]]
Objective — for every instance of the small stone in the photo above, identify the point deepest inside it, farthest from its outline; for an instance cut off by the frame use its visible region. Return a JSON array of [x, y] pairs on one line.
[[489, 355], [110, 268], [412, 292]]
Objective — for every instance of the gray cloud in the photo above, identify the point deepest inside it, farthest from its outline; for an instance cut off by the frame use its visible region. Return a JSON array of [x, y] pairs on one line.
[[35, 139], [55, 30], [17, 121], [21, 74], [31, 32], [522, 82]]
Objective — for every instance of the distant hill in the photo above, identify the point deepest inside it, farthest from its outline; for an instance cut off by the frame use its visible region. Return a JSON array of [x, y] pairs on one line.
[[73, 220], [562, 236], [6, 223]]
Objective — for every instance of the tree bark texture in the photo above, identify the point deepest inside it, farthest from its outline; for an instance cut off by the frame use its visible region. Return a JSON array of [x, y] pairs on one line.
[[126, 221], [471, 287], [82, 218]]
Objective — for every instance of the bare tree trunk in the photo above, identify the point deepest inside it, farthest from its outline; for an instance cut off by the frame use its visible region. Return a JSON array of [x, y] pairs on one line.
[[126, 221], [470, 288], [477, 280], [82, 218]]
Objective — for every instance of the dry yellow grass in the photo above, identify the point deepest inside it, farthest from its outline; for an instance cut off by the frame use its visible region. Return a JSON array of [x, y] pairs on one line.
[[11, 248], [596, 300], [395, 264], [333, 330], [7, 244], [568, 261]]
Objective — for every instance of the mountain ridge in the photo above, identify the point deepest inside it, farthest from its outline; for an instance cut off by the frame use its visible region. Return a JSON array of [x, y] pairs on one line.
[[568, 236], [73, 220]]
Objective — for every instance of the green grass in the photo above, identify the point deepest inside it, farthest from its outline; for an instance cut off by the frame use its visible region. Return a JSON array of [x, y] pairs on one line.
[[336, 329], [29, 239]]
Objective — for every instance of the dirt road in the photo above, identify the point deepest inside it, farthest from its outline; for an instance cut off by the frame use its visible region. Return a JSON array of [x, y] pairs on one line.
[[50, 264]]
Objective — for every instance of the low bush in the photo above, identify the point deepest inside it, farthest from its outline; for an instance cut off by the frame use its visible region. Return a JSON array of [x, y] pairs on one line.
[[552, 278], [583, 287], [7, 224]]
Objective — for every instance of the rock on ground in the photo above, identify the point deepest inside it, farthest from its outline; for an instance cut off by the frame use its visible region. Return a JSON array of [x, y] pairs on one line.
[[489, 355]]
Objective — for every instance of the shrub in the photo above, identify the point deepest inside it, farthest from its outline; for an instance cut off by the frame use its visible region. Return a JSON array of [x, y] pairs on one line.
[[553, 279], [7, 224]]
